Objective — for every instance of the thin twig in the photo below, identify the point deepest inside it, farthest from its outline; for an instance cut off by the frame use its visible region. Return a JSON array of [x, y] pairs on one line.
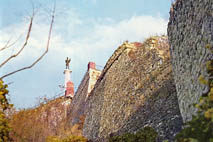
[[47, 47], [23, 46], [7, 45], [10, 83]]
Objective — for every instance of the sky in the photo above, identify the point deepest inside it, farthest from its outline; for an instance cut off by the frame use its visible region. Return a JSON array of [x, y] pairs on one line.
[[84, 30]]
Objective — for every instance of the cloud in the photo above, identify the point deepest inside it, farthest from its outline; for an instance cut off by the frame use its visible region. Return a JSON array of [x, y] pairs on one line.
[[80, 38]]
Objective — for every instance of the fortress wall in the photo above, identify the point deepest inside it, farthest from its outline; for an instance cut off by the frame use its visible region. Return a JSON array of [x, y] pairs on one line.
[[135, 89], [77, 109], [190, 29]]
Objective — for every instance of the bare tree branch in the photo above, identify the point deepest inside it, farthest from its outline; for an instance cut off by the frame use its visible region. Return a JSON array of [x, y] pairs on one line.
[[7, 45], [23, 46], [45, 52]]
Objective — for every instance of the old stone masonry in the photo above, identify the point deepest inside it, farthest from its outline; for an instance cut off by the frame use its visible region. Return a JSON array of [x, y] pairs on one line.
[[154, 83], [190, 29]]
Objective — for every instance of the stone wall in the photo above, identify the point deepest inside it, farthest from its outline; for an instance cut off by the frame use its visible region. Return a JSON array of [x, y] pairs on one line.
[[135, 89], [76, 113], [77, 106], [190, 29], [51, 113]]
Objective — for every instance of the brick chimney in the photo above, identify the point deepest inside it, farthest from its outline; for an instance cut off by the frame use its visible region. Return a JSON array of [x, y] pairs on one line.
[[68, 84], [69, 89]]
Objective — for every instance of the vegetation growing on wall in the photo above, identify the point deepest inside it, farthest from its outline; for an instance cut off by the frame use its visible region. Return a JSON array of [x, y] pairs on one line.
[[47, 122], [147, 134], [35, 124], [27, 126], [66, 139], [200, 128]]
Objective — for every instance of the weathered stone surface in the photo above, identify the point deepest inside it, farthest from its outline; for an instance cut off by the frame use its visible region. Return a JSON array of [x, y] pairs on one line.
[[190, 29], [52, 113], [77, 107], [135, 89]]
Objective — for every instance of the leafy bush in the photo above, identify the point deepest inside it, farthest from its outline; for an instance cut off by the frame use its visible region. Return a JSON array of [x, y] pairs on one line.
[[147, 134], [200, 128], [4, 107]]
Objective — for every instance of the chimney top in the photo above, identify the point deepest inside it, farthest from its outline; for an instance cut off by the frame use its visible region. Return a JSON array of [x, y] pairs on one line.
[[137, 44], [91, 65]]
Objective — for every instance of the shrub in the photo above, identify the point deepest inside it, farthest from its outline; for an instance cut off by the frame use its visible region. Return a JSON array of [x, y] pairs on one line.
[[4, 107], [147, 134]]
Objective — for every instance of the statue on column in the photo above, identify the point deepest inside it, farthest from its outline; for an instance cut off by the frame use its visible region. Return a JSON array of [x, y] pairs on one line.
[[67, 61]]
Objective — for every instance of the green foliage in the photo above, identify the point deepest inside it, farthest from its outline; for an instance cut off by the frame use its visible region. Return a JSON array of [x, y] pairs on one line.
[[200, 128], [4, 106], [67, 139], [147, 134]]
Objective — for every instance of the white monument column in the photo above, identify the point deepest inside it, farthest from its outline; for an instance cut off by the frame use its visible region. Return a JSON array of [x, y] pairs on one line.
[[68, 84], [67, 73]]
